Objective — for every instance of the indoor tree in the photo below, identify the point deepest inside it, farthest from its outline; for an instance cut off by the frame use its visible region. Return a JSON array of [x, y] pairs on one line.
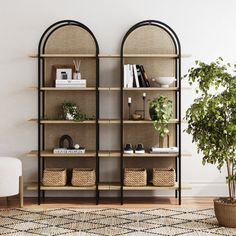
[[212, 117]]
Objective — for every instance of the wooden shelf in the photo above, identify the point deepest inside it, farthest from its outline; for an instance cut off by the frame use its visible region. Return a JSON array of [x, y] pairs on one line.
[[108, 186], [147, 154], [109, 153], [89, 154], [152, 89], [49, 153], [63, 121], [171, 121], [34, 186], [100, 121], [109, 55], [151, 187], [109, 89], [67, 89]]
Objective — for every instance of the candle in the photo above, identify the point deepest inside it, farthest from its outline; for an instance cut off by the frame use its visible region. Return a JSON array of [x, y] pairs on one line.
[[144, 95], [129, 100]]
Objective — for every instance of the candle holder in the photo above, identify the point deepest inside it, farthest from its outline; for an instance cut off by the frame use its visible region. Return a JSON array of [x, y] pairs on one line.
[[144, 103], [129, 106]]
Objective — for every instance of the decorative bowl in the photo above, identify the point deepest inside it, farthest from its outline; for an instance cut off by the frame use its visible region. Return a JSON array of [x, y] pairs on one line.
[[165, 81], [136, 116]]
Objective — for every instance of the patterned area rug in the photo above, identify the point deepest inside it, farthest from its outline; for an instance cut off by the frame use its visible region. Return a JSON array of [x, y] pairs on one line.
[[110, 221]]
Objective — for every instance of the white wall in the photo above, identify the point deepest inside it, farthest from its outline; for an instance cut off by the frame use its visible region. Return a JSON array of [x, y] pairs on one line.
[[206, 30]]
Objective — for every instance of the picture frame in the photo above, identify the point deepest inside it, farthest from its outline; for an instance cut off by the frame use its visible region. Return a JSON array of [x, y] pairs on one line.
[[63, 72]]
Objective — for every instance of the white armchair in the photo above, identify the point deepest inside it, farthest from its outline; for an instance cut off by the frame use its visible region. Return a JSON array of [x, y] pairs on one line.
[[11, 179]]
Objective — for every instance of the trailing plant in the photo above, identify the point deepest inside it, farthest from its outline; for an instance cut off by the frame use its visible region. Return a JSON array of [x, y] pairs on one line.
[[161, 107], [212, 117], [72, 112]]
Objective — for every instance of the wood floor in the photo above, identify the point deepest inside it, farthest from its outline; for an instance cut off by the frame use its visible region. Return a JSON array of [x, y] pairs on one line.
[[13, 202]]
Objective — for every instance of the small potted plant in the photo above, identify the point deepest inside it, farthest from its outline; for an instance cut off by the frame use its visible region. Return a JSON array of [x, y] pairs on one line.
[[212, 123], [160, 110], [72, 112]]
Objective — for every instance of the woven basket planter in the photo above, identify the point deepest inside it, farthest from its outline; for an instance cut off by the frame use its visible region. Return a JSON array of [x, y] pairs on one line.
[[135, 177], [54, 177], [225, 213], [83, 177], [163, 177]]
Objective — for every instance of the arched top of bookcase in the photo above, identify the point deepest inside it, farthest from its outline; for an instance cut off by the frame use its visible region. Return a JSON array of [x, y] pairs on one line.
[[150, 37], [68, 37]]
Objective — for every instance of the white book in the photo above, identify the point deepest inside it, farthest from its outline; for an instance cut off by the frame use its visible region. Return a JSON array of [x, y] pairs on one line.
[[164, 150], [59, 150], [130, 76], [136, 76], [77, 81], [75, 151], [125, 76], [70, 85], [68, 151]]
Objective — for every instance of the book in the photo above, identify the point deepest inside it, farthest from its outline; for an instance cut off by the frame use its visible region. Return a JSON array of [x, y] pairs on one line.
[[70, 83], [164, 150], [140, 77], [76, 81], [130, 76], [68, 151], [144, 75], [70, 86], [125, 76], [135, 77]]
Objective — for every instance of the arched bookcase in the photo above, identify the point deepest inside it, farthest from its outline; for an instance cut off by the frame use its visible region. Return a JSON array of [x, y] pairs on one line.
[[59, 45], [156, 46]]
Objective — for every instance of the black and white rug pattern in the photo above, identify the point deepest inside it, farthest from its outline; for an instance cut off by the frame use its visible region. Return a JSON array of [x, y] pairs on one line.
[[110, 221]]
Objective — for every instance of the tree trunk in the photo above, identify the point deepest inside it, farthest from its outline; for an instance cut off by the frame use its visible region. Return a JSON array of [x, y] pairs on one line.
[[161, 142]]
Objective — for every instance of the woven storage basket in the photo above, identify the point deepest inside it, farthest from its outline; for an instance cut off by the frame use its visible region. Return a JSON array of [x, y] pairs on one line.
[[135, 177], [163, 177], [83, 177], [54, 177]]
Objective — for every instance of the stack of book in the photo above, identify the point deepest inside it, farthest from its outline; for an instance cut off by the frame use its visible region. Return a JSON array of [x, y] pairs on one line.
[[77, 83], [81, 150], [135, 76], [164, 150]]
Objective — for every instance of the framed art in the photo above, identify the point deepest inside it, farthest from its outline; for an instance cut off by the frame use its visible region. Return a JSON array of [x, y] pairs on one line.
[[62, 72]]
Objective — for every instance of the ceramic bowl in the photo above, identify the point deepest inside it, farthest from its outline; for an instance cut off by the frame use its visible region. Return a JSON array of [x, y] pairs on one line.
[[165, 81]]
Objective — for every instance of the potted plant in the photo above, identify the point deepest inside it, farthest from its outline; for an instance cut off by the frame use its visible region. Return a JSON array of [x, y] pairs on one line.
[[212, 123], [72, 112], [160, 110]]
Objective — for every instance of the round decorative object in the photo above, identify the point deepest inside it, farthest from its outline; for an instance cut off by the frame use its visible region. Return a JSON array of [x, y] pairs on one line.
[[152, 113], [76, 146], [69, 140], [225, 212], [164, 81], [136, 116]]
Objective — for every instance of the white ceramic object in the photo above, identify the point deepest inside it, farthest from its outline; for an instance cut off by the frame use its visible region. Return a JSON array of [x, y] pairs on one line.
[[165, 81], [10, 171]]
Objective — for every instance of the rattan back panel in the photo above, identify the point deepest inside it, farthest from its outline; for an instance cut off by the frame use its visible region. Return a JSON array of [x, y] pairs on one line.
[[85, 101], [70, 39], [82, 134], [149, 39]]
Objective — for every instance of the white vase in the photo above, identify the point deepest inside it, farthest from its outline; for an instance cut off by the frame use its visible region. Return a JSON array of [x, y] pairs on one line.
[[76, 75]]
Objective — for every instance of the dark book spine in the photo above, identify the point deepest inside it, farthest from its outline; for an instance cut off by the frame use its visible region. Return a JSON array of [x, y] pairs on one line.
[[144, 76], [134, 81], [140, 78]]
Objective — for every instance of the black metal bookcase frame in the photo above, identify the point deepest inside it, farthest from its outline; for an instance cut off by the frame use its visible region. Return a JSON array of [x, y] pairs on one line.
[[41, 99], [177, 46]]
